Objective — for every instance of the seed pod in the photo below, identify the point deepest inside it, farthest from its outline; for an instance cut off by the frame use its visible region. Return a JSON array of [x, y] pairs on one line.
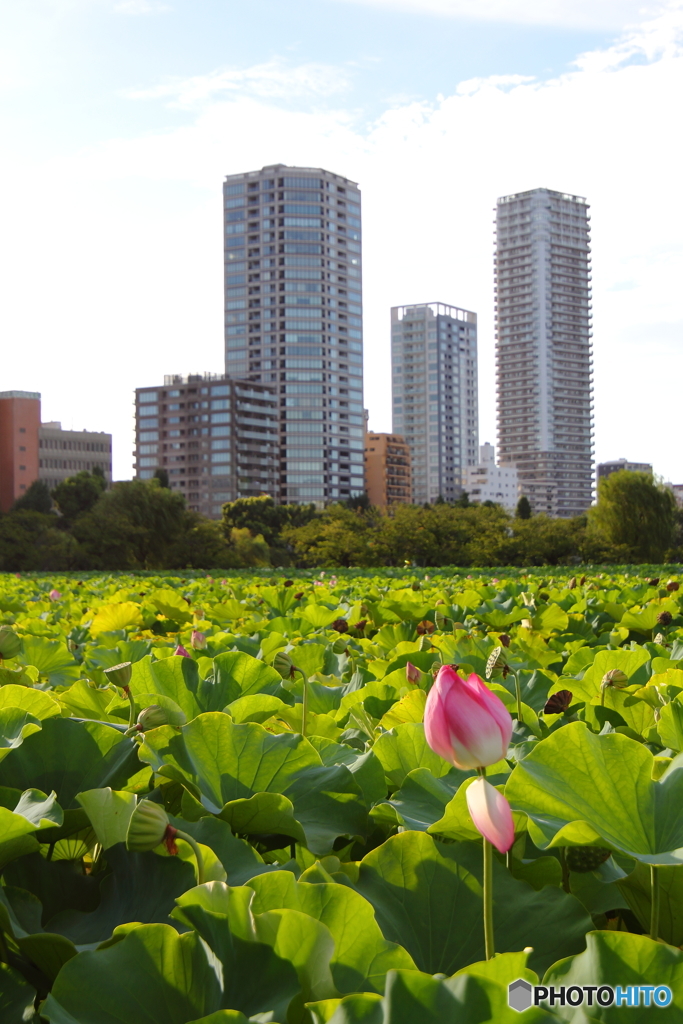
[[283, 664], [339, 646], [654, 581], [672, 585], [147, 827], [155, 716], [496, 660], [572, 583], [341, 625], [425, 644], [665, 618], [616, 678], [504, 639], [586, 858], [119, 675], [10, 643], [558, 702]]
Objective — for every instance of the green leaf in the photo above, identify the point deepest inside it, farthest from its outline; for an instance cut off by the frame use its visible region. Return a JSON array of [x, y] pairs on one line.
[[637, 891], [262, 814], [422, 799], [109, 813], [33, 811], [37, 702], [620, 958], [239, 675], [69, 757], [428, 897], [583, 789], [52, 659], [258, 707], [151, 976], [48, 952], [362, 956], [405, 748], [171, 605], [16, 996], [634, 663], [15, 726], [670, 724]]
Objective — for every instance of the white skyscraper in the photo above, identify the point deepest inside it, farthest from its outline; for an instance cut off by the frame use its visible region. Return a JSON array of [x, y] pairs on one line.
[[434, 386], [543, 346]]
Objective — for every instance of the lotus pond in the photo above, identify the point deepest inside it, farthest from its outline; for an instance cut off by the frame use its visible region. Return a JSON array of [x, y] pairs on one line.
[[217, 803]]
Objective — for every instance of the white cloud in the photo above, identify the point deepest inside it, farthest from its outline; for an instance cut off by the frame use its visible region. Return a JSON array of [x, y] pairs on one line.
[[575, 14], [137, 7], [271, 80], [112, 275]]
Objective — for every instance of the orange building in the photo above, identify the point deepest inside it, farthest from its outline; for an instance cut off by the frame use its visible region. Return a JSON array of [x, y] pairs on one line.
[[19, 430], [388, 474]]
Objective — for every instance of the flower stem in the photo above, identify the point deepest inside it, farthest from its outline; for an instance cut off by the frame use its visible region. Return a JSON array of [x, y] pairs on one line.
[[488, 900], [304, 708], [131, 701], [197, 852], [565, 869], [654, 897], [518, 691]]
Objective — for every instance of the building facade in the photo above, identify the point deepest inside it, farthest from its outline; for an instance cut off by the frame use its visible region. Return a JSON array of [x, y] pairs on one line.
[[293, 318], [489, 482], [19, 426], [543, 347], [434, 391], [388, 476], [63, 453], [606, 469], [217, 438]]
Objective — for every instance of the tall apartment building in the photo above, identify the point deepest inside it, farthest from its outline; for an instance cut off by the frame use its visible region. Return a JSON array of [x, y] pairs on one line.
[[434, 387], [388, 477], [543, 347], [19, 426], [217, 438], [63, 453], [488, 482], [31, 450], [293, 318], [606, 469]]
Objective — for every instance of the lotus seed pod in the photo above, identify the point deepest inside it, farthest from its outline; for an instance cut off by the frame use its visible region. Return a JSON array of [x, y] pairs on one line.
[[504, 639], [147, 826], [496, 660], [341, 625], [339, 646], [10, 643], [586, 858], [283, 664], [119, 675], [155, 716], [665, 618], [672, 585], [615, 677]]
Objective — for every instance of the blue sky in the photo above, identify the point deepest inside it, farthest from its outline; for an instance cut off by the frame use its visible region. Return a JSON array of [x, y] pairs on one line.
[[119, 118]]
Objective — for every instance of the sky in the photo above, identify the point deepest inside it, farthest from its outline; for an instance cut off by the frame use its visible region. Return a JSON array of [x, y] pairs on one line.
[[120, 118]]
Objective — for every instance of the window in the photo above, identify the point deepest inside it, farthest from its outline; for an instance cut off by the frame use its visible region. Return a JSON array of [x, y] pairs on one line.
[[232, 203], [235, 190], [147, 396], [220, 403]]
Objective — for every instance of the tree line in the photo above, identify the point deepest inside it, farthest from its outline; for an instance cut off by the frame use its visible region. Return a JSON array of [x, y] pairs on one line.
[[137, 524]]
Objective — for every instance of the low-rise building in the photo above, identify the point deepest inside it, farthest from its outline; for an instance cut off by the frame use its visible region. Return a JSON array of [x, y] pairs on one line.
[[489, 482], [388, 472], [606, 469], [63, 453], [216, 437]]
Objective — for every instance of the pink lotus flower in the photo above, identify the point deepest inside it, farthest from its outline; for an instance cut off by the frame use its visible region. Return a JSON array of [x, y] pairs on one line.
[[198, 640], [54, 595], [182, 652], [465, 723], [491, 814]]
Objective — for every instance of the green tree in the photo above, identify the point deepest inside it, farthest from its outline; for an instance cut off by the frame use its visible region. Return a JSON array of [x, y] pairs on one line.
[[79, 494], [31, 542], [523, 510], [35, 499], [161, 475], [262, 516], [635, 515], [337, 537], [135, 524]]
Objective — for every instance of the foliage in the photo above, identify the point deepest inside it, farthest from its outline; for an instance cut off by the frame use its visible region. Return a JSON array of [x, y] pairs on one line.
[[35, 499], [263, 517], [342, 874], [635, 515], [30, 540], [523, 510], [79, 494]]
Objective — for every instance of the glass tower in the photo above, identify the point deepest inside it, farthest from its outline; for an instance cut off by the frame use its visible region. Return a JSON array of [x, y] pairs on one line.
[[293, 317], [434, 386], [543, 347]]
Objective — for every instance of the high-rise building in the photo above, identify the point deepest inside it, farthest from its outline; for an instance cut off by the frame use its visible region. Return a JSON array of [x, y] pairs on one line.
[[606, 469], [217, 438], [434, 387], [19, 425], [543, 347], [489, 482], [293, 309], [387, 469], [63, 453]]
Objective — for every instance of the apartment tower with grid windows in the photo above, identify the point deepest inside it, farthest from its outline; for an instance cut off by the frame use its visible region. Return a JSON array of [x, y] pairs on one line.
[[543, 347], [293, 309], [434, 387]]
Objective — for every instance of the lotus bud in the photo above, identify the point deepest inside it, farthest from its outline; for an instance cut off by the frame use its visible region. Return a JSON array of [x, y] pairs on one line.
[[496, 661], [120, 675], [491, 814], [413, 674], [148, 827], [665, 618], [283, 664], [10, 643], [181, 652], [198, 640], [54, 595], [465, 723], [341, 625], [155, 716], [672, 585], [616, 678]]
